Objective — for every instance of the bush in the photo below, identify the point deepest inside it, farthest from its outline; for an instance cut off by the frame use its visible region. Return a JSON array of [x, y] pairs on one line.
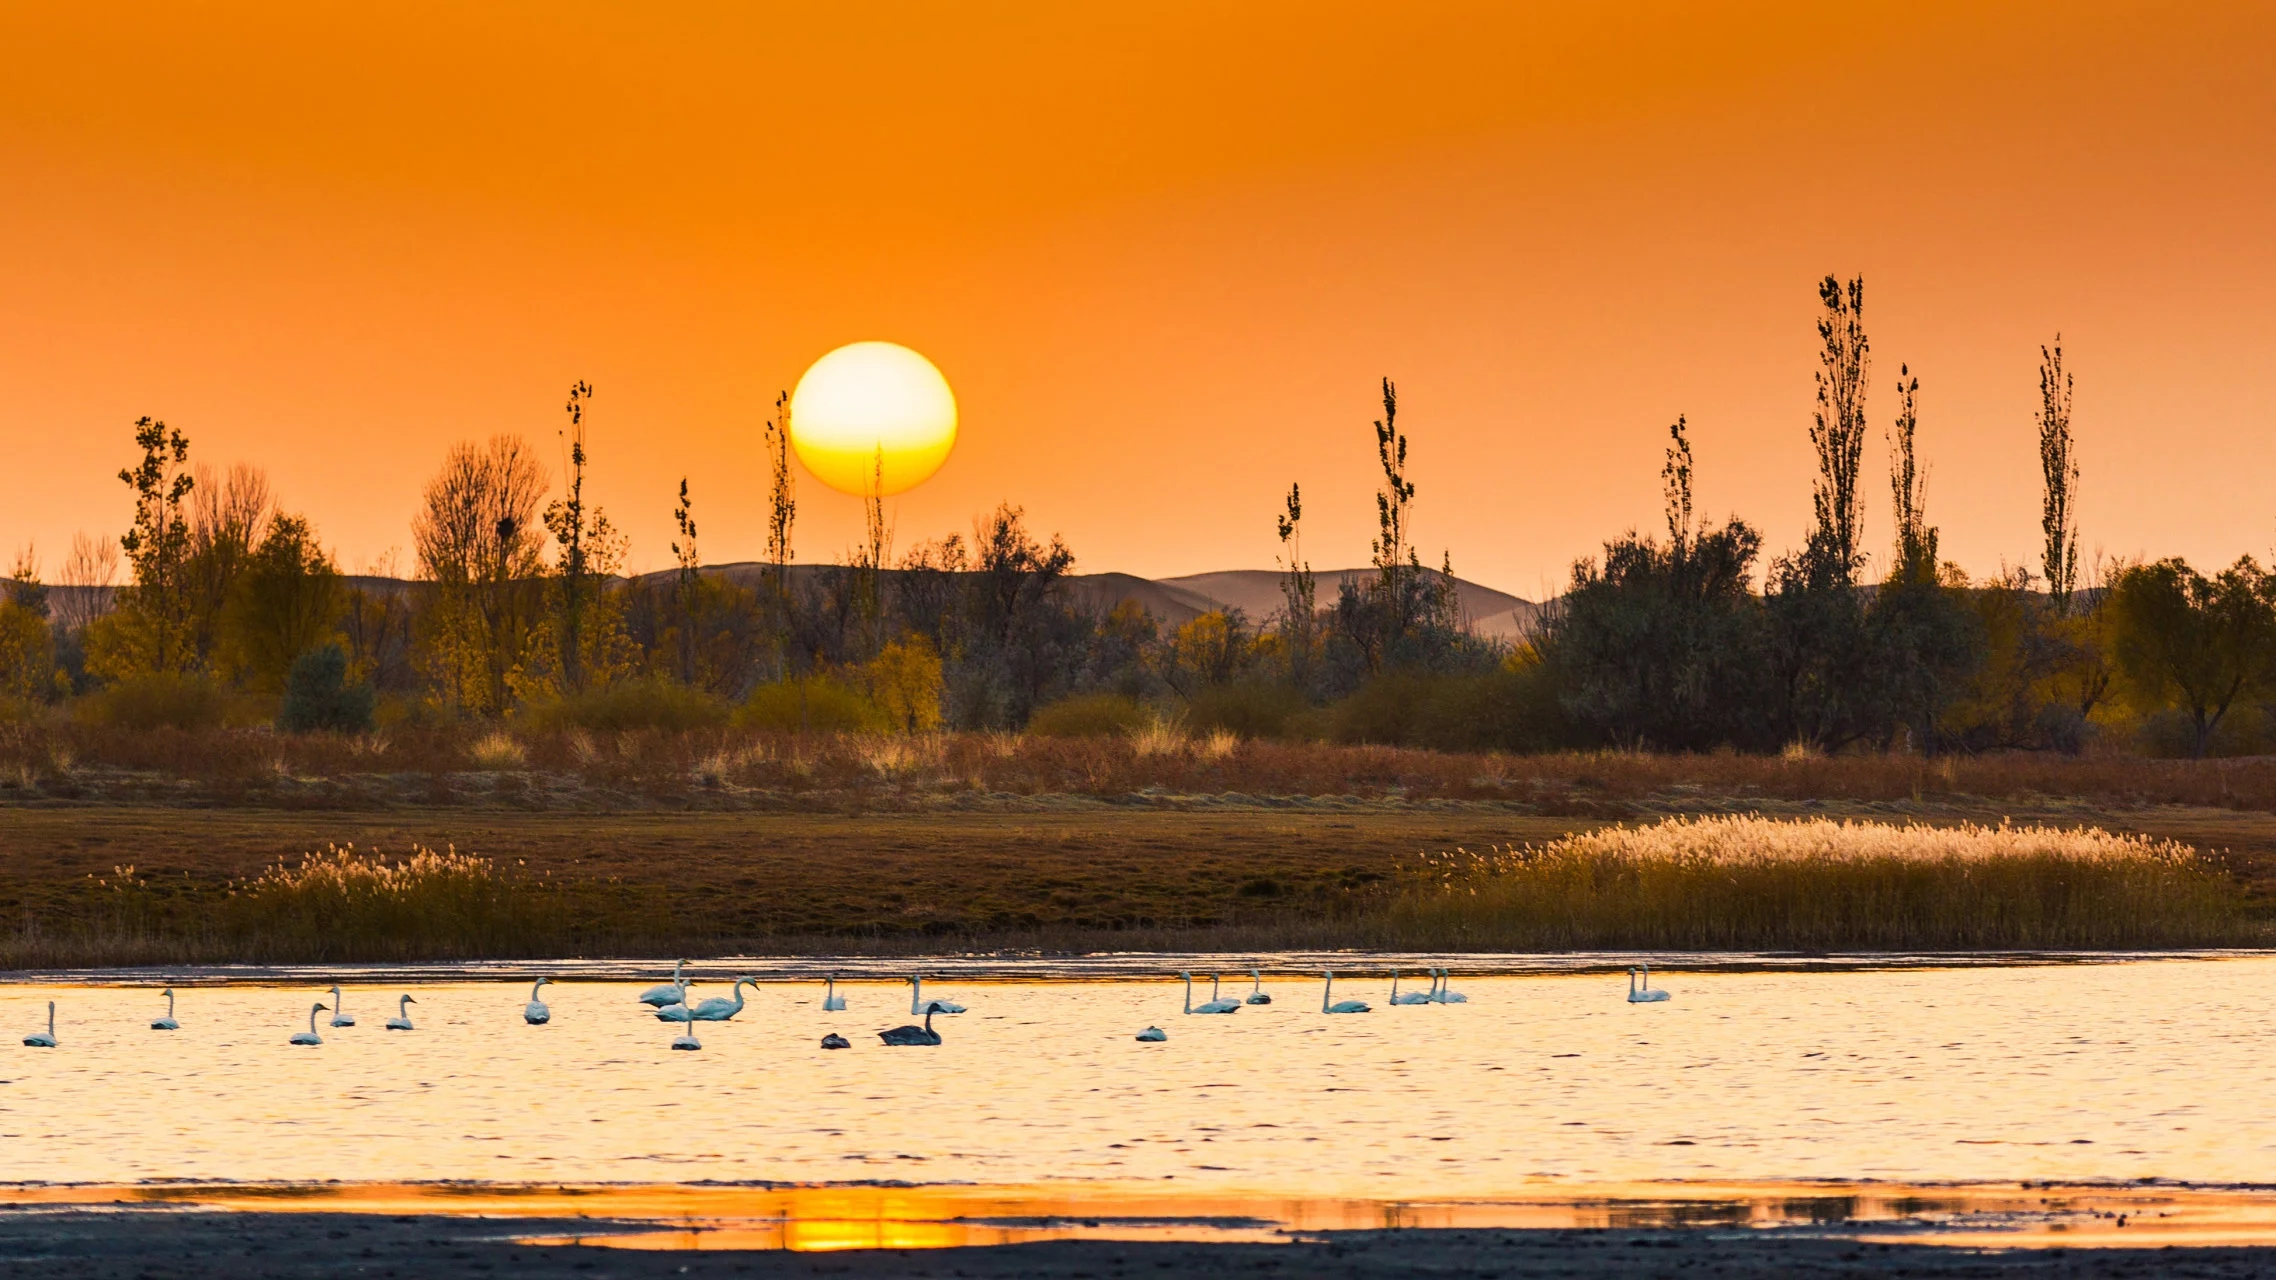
[[1514, 709], [817, 705], [1248, 710], [1093, 715], [160, 702], [634, 704], [319, 697]]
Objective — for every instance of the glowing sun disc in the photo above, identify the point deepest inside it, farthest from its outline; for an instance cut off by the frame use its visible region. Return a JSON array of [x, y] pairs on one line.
[[873, 418]]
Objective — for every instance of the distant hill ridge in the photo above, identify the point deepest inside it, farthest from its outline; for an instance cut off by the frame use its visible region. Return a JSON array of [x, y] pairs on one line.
[[1173, 601]]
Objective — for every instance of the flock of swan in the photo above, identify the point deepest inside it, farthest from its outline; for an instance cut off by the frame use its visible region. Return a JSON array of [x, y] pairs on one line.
[[670, 1004]]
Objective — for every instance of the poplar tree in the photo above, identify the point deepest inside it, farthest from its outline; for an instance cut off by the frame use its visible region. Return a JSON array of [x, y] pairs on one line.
[[1916, 539], [1838, 432], [158, 544], [2059, 467], [782, 512]]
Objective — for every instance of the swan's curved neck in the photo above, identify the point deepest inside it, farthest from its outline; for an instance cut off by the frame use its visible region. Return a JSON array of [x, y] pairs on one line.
[[169, 1004], [1327, 992]]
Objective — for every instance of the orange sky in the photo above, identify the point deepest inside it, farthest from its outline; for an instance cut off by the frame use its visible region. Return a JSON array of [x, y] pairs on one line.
[[1162, 252]]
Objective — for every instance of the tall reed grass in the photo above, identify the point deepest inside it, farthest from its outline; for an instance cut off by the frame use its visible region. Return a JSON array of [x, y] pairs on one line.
[[1746, 883], [336, 906]]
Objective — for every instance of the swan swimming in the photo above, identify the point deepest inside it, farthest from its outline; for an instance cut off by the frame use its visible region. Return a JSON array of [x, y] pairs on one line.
[[535, 1012], [44, 1039], [309, 1036], [924, 1035], [1340, 1006], [686, 1038], [1645, 993], [666, 992], [167, 1023], [832, 1002], [402, 1019], [720, 1008], [1257, 993], [1152, 1035], [1445, 995], [1211, 1006], [340, 1019], [1411, 997], [678, 1010], [836, 1041], [936, 1005]]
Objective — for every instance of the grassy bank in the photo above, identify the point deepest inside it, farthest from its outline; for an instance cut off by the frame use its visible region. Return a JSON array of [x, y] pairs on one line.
[[529, 766], [900, 885]]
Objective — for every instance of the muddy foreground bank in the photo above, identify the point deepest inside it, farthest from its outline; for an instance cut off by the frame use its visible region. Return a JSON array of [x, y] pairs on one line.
[[130, 1244]]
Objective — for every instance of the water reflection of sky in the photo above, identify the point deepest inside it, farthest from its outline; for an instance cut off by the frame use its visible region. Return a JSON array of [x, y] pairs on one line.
[[2095, 1072]]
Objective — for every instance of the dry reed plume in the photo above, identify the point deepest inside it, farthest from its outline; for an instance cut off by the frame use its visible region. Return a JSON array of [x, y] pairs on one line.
[[1745, 883]]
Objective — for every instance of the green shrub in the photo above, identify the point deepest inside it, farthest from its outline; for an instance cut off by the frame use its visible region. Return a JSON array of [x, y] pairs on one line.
[[319, 697], [160, 702], [1251, 710], [633, 704], [1506, 710], [1092, 715], [817, 705]]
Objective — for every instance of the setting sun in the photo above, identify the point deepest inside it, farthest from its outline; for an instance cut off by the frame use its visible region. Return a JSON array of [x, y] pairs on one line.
[[873, 418]]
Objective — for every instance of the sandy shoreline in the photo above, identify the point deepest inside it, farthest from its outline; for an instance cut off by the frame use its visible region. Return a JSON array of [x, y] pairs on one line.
[[129, 1244]]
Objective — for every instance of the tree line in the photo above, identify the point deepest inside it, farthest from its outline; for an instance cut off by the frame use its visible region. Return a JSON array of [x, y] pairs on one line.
[[518, 607]]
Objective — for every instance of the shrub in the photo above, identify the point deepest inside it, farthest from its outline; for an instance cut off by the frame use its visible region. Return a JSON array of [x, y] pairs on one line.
[[319, 697], [1251, 710], [160, 701], [1092, 715], [816, 705], [632, 704], [1514, 709]]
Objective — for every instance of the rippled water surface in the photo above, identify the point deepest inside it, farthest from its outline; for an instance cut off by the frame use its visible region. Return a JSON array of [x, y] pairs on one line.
[[2154, 1069]]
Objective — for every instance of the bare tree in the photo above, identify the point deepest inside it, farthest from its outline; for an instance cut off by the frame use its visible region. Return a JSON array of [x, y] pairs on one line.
[[478, 540], [2059, 466], [89, 577], [229, 516], [1838, 432], [782, 513], [572, 527]]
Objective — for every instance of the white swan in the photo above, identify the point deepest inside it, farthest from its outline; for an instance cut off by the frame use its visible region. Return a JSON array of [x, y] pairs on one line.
[[402, 1019], [309, 1036], [340, 1019], [1445, 995], [686, 1038], [719, 1008], [166, 1023], [678, 1010], [1411, 997], [1152, 1035], [1645, 993], [832, 1002], [917, 1003], [1211, 1006], [44, 1039], [536, 1013], [1257, 994], [1338, 1006], [666, 992]]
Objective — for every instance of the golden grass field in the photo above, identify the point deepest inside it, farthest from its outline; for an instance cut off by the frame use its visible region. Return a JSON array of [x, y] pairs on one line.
[[652, 882]]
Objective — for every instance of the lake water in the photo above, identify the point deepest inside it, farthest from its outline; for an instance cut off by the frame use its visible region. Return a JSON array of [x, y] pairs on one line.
[[2073, 1073]]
